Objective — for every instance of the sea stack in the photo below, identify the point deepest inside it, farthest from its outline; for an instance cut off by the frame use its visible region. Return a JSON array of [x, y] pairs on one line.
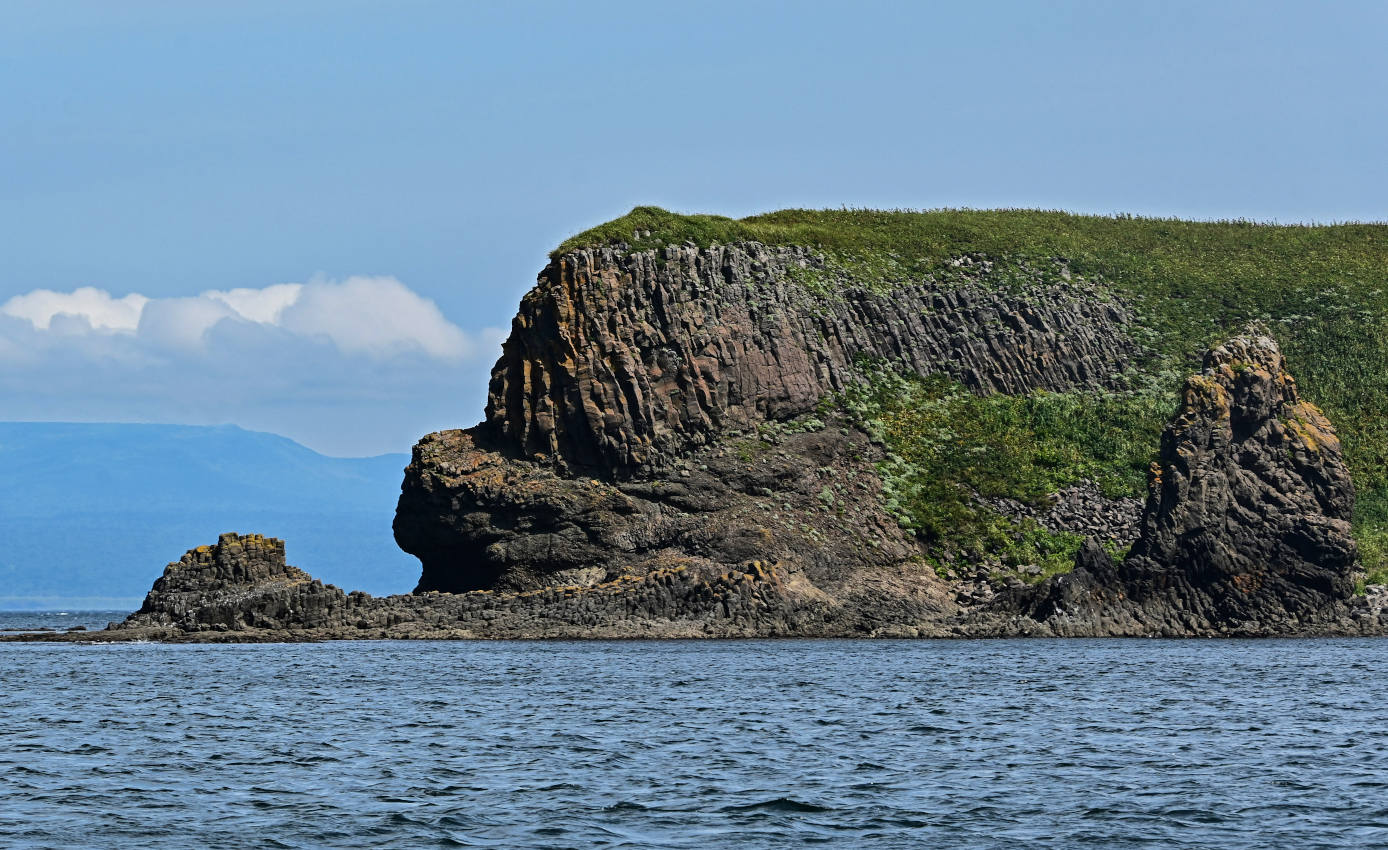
[[1246, 528]]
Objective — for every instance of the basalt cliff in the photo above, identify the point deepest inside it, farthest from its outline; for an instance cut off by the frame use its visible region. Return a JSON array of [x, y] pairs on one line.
[[666, 452]]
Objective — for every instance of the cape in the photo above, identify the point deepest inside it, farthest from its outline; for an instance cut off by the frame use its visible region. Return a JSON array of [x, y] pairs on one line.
[[695, 433]]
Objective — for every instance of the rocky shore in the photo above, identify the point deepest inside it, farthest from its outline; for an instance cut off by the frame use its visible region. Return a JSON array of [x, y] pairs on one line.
[[657, 461]]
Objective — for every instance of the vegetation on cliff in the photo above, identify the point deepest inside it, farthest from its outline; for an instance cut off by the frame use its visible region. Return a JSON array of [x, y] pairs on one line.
[[949, 447], [1322, 290]]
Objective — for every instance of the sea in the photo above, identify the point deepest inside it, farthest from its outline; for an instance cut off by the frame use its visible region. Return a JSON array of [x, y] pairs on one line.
[[692, 744]]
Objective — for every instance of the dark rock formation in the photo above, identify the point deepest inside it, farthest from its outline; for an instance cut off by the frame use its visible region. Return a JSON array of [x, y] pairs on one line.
[[1246, 528], [241, 590], [784, 499], [622, 424], [240, 582], [1251, 501], [619, 362]]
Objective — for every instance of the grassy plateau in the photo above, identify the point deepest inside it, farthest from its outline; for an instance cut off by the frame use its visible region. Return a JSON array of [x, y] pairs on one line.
[[1321, 289]]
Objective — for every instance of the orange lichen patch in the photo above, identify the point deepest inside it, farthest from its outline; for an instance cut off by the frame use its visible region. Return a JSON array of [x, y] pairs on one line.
[[1204, 393], [1311, 427]]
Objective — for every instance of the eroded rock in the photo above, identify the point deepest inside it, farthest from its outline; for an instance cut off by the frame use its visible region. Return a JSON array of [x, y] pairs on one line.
[[1246, 527], [242, 581], [1250, 502]]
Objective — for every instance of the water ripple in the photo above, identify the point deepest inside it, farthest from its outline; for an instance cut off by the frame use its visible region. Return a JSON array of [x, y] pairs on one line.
[[1178, 744]]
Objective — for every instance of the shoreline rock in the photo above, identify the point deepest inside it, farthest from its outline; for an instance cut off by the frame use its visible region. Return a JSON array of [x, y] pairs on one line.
[[655, 463]]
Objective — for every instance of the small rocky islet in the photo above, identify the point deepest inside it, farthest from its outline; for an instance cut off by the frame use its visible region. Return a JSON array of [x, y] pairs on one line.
[[662, 456]]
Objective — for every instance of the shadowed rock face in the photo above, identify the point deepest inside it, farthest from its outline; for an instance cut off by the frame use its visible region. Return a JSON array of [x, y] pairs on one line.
[[1247, 520], [481, 521]]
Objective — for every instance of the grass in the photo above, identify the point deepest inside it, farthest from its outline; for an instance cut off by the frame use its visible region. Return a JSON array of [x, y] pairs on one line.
[[947, 444], [1321, 289]]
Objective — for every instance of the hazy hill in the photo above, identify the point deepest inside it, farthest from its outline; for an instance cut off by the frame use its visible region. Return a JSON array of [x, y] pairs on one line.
[[90, 513]]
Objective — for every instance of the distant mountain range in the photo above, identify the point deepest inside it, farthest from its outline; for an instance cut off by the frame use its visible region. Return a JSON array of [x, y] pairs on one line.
[[91, 513]]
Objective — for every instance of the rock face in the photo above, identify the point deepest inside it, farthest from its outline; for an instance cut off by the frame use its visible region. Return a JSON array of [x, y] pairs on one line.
[[782, 500], [620, 362], [1246, 528], [241, 590], [654, 464], [622, 426], [1251, 497]]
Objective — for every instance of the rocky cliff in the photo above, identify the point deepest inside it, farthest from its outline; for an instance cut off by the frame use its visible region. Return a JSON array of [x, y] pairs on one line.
[[645, 408], [621, 362], [667, 452]]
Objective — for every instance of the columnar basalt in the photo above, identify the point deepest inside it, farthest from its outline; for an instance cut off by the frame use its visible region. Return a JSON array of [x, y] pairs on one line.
[[625, 370], [619, 362]]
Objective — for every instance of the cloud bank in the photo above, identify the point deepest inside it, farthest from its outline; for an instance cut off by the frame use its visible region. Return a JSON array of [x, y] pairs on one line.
[[356, 366]]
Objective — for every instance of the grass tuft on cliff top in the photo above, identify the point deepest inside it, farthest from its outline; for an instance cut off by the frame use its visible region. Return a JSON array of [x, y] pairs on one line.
[[1321, 289]]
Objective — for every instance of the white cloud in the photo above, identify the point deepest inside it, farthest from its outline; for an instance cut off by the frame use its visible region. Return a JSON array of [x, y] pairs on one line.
[[259, 305], [356, 366], [95, 305], [376, 316], [373, 315], [182, 322]]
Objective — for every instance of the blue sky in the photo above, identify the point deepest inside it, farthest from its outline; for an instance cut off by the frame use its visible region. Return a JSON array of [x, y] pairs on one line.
[[417, 160]]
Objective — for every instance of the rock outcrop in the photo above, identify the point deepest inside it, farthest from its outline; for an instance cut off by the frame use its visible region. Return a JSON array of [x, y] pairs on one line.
[[1246, 528], [240, 589], [240, 582], [656, 461], [620, 362], [625, 418]]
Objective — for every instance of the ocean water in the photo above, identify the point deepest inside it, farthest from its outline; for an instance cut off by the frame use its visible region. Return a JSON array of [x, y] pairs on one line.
[[722, 744]]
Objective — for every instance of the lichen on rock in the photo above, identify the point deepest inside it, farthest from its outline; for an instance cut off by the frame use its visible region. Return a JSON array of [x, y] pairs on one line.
[[1251, 502]]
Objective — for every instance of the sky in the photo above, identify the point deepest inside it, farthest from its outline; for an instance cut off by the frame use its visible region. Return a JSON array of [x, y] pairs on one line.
[[317, 218]]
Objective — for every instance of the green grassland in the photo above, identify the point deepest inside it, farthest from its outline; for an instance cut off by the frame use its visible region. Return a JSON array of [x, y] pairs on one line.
[[1321, 289]]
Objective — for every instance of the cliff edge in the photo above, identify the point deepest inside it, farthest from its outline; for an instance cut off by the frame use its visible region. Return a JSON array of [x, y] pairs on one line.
[[737, 438], [672, 404]]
